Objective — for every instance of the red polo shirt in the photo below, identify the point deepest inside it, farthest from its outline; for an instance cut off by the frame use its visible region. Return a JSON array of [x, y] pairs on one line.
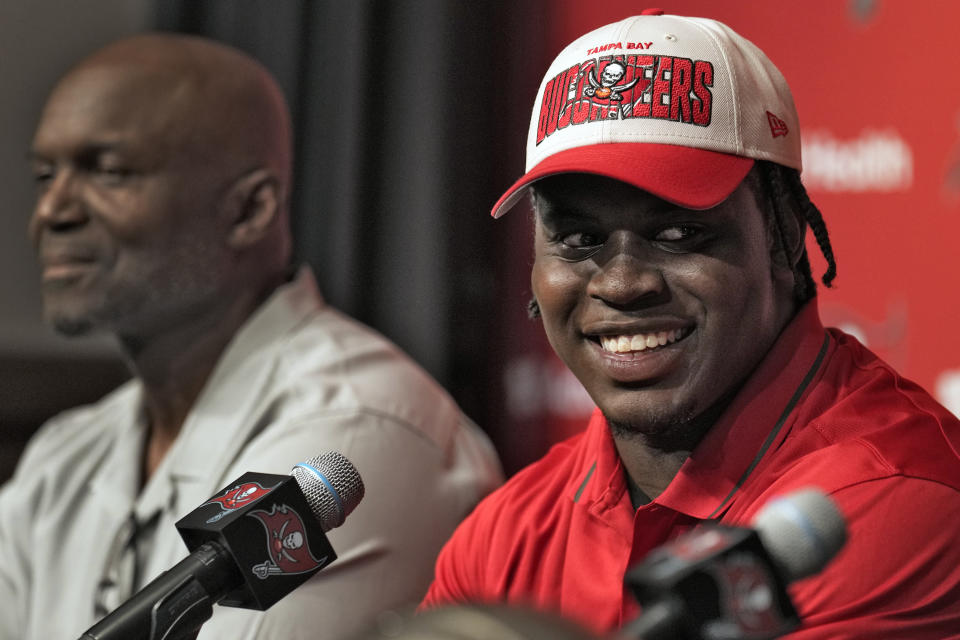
[[820, 410]]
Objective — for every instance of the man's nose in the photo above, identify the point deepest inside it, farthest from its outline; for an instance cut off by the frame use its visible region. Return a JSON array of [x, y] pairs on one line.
[[628, 276], [58, 203]]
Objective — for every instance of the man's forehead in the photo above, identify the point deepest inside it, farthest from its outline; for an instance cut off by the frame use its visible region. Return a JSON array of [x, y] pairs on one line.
[[119, 85], [170, 97], [584, 195], [114, 103]]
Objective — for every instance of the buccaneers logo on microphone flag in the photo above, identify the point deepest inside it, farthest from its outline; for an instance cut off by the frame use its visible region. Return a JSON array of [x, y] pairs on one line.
[[239, 496], [286, 543]]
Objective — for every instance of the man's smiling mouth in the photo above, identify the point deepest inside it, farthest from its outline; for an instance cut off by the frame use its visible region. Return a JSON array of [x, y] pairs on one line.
[[633, 343]]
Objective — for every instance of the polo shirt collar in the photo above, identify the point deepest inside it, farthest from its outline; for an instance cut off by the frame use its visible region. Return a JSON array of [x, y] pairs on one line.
[[754, 423]]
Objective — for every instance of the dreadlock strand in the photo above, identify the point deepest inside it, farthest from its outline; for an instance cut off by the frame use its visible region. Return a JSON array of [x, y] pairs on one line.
[[781, 203], [770, 186], [804, 288], [817, 225]]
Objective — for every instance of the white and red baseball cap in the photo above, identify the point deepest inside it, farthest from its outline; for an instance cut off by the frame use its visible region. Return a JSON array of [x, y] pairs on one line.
[[679, 107]]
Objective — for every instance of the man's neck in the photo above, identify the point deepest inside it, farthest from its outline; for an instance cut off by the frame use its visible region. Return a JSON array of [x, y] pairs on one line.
[[648, 469], [173, 375], [653, 460], [174, 368]]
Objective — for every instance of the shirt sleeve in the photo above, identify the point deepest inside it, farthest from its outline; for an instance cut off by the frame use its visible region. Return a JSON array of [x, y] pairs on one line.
[[14, 569], [898, 576], [460, 574], [447, 587], [19, 500]]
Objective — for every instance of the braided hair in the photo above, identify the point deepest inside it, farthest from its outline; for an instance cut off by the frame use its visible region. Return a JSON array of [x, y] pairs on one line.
[[780, 194]]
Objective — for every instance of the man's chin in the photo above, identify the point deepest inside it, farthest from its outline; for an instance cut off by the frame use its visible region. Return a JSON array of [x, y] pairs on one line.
[[676, 427], [71, 326], [676, 430]]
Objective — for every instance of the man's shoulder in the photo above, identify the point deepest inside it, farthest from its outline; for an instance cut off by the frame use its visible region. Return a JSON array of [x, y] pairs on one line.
[[303, 375], [880, 422], [72, 448], [858, 381], [340, 341], [542, 491], [511, 529], [321, 358], [342, 364], [78, 428]]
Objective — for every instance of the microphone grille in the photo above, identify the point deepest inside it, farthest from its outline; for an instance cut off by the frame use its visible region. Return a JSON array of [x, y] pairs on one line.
[[331, 485], [802, 531]]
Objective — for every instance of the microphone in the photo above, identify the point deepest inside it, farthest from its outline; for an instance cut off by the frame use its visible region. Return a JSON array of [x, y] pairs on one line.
[[251, 544], [718, 582]]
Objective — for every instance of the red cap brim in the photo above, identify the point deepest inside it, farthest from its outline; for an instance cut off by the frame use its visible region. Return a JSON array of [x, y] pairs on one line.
[[691, 178]]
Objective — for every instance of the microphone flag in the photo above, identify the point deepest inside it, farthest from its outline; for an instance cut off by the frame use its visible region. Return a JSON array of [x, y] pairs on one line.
[[264, 522]]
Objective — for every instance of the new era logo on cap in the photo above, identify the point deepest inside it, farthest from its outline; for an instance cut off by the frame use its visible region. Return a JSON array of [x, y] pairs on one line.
[[677, 106], [777, 126]]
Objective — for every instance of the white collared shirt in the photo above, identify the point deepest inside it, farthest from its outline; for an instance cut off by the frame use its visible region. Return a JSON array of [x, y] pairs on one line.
[[299, 379]]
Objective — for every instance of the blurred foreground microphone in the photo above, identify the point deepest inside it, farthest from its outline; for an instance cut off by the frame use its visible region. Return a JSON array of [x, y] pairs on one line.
[[251, 544], [729, 583]]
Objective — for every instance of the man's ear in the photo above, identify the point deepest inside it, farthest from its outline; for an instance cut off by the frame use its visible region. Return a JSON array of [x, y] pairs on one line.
[[253, 203]]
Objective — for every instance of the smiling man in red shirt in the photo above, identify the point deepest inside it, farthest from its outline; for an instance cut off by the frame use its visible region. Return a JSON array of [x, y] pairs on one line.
[[672, 278]]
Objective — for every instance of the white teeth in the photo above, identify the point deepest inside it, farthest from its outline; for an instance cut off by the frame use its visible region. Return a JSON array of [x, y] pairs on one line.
[[640, 341]]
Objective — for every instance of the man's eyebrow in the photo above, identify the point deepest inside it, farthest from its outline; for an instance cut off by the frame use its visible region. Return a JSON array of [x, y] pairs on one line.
[[664, 212], [87, 150], [672, 211], [552, 213]]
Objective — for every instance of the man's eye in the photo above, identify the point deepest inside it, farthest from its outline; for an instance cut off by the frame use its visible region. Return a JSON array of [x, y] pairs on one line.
[[581, 240], [42, 174], [112, 170], [111, 173], [677, 233]]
